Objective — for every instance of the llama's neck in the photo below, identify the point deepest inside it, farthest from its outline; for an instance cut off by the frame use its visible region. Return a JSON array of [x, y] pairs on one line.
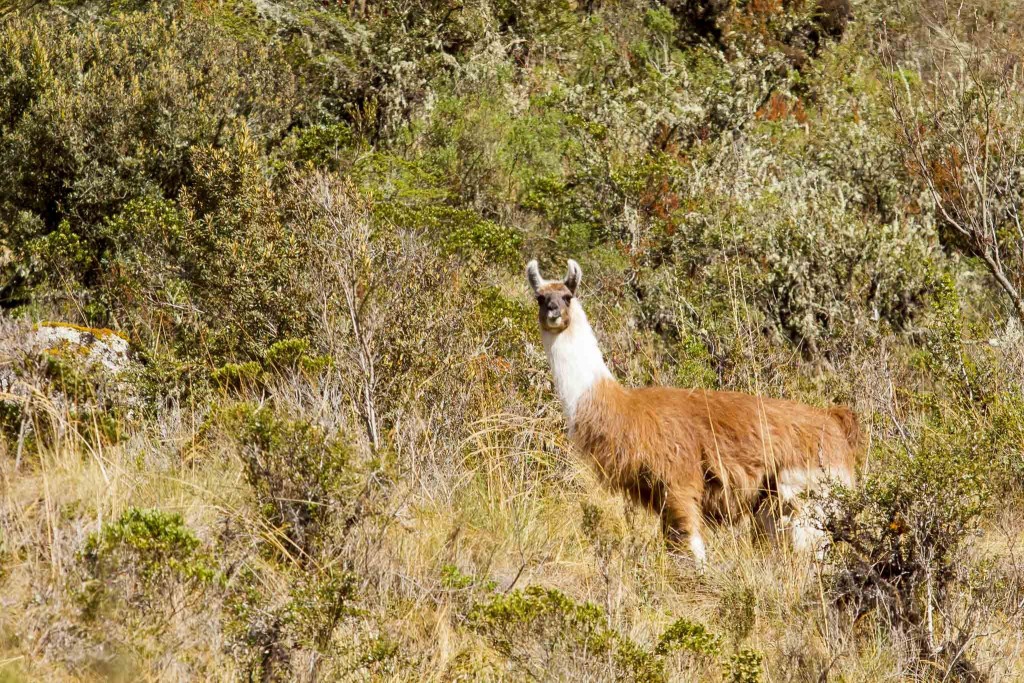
[[575, 360]]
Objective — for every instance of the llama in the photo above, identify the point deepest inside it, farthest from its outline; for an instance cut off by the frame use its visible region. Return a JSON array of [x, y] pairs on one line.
[[691, 455]]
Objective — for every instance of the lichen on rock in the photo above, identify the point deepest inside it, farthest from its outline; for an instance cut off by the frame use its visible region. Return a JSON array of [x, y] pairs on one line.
[[94, 346]]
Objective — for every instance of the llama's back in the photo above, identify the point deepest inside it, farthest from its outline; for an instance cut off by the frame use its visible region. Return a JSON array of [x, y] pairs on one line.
[[734, 442], [728, 449], [758, 432]]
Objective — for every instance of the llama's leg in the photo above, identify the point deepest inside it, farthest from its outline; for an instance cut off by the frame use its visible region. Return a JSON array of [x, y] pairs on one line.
[[796, 513], [680, 520], [767, 520]]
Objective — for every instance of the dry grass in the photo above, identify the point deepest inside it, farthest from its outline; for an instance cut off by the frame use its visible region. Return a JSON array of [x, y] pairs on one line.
[[785, 252], [500, 503], [507, 508]]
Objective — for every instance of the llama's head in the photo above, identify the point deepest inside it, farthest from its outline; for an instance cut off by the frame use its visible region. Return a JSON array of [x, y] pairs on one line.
[[554, 296]]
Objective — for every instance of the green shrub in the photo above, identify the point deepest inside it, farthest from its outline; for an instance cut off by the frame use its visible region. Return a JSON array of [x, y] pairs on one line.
[[1004, 436], [575, 207], [453, 579], [302, 480], [282, 357], [543, 23], [902, 539], [542, 628], [504, 321], [687, 635], [268, 634], [154, 543], [381, 657], [294, 355], [217, 276], [320, 145], [238, 376], [153, 207], [97, 115], [11, 417], [745, 667], [738, 611], [811, 271], [256, 628], [319, 602], [147, 558], [469, 235], [456, 230], [546, 634]]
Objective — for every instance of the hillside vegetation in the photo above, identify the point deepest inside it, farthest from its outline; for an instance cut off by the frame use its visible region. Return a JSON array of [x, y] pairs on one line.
[[331, 450]]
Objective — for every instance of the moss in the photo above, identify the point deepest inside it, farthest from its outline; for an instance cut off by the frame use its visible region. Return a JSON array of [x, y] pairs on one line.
[[98, 332]]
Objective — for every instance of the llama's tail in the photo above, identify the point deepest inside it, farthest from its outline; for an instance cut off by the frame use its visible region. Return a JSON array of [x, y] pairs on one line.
[[850, 425]]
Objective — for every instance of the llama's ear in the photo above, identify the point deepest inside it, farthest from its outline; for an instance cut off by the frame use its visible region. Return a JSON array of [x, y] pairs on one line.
[[573, 276], [533, 276]]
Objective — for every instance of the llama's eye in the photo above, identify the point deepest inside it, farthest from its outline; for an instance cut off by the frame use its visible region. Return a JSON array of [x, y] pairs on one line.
[[540, 299], [567, 298]]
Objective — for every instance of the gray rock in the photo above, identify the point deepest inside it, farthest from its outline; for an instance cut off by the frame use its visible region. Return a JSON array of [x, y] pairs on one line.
[[94, 347]]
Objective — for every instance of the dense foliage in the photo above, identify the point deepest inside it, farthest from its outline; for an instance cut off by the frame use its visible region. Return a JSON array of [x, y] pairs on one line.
[[336, 454]]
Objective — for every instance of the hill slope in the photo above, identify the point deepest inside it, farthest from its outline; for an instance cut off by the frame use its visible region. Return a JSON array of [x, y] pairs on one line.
[[332, 451]]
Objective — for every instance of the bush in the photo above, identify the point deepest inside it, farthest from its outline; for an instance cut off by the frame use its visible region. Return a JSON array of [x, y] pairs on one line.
[[902, 541], [154, 210], [811, 267], [238, 376], [546, 634], [389, 296], [687, 635], [146, 557], [302, 480], [319, 603], [96, 117], [955, 126], [505, 322], [283, 358], [294, 355], [745, 667], [269, 636]]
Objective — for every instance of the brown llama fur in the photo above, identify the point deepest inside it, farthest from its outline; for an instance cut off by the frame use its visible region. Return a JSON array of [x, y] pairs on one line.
[[691, 455], [718, 455]]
